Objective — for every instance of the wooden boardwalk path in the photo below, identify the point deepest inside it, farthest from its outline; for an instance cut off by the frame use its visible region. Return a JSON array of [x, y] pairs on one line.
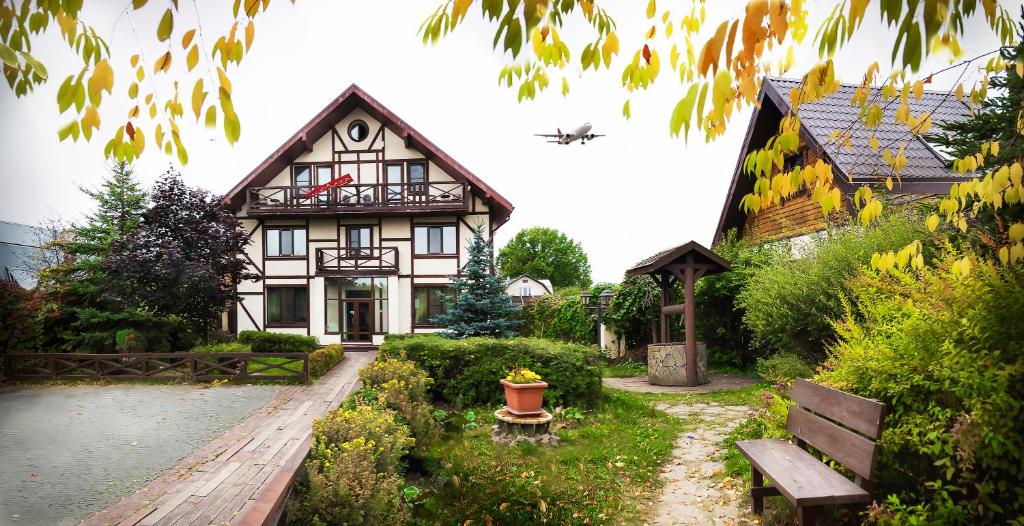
[[217, 483]]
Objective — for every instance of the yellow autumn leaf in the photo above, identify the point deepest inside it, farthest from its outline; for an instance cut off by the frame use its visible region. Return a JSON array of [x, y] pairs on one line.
[[163, 63], [186, 39], [198, 97], [932, 222], [873, 142], [193, 58]]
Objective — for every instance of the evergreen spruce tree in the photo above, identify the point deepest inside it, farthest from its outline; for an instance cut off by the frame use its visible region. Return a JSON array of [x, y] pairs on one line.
[[80, 309], [480, 306], [1000, 118]]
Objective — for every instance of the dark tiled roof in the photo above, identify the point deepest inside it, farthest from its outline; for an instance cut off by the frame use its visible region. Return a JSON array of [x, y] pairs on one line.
[[19, 245], [836, 111]]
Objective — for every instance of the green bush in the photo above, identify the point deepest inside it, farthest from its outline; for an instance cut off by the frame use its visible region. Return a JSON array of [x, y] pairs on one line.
[[403, 387], [782, 368], [634, 310], [222, 347], [466, 372], [322, 360], [946, 355], [389, 438], [789, 306], [342, 488], [20, 327], [719, 319], [558, 316], [261, 341]]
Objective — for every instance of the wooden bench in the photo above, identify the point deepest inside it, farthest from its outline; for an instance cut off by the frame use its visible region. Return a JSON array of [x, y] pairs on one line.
[[842, 426]]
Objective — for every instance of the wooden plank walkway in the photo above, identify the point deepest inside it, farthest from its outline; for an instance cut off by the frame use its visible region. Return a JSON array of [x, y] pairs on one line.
[[216, 482]]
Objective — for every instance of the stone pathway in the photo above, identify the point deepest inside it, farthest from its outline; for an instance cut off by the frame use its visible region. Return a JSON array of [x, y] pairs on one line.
[[693, 493]]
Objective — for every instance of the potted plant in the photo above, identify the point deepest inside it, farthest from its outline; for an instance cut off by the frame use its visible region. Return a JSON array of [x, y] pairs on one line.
[[524, 392]]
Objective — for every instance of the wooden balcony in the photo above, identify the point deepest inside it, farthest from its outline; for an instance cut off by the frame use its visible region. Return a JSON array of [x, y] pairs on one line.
[[407, 198], [356, 261]]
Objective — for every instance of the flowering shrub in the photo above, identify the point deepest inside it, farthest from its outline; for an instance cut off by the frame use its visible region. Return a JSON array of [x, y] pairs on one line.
[[343, 487], [388, 437], [401, 386], [522, 375]]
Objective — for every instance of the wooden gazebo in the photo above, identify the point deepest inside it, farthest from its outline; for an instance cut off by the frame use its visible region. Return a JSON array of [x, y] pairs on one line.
[[686, 263]]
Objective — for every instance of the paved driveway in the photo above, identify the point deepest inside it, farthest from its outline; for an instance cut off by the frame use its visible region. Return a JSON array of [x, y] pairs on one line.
[[66, 452]]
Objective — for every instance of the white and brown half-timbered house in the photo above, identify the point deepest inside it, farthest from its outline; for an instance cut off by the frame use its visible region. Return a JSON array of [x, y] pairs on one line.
[[356, 262]]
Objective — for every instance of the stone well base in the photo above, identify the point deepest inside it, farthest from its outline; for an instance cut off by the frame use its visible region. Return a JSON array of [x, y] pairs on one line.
[[666, 363], [512, 429]]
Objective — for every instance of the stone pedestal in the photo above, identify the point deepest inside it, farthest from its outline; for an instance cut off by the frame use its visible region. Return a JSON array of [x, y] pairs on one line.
[[512, 429], [666, 363]]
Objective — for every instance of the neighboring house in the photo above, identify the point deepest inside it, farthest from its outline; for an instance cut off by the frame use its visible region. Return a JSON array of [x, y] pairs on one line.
[[359, 261], [20, 252], [926, 173], [524, 288]]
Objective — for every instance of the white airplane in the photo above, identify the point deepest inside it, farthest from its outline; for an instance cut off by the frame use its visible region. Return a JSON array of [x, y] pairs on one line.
[[581, 134]]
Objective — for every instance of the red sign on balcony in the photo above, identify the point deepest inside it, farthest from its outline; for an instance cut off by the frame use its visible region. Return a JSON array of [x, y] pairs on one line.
[[333, 183]]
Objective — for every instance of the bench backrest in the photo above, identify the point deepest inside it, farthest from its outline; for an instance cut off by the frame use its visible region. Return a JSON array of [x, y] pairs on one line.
[[840, 425]]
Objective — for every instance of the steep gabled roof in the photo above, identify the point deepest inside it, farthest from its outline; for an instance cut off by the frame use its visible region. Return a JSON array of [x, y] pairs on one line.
[[546, 283], [354, 97], [926, 171], [666, 257]]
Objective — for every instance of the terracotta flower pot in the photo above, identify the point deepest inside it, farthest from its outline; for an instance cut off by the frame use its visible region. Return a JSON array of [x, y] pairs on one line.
[[524, 399]]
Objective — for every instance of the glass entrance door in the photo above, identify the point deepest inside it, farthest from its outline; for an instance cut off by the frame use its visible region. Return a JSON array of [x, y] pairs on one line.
[[358, 323], [356, 308]]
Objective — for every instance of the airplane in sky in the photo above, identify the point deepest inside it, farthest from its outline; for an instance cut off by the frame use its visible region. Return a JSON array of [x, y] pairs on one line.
[[581, 134]]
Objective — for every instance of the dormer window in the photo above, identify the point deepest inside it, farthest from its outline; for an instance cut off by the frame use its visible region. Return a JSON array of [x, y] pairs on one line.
[[358, 131]]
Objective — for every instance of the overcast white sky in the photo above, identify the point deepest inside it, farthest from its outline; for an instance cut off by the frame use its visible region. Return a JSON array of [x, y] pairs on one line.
[[622, 197]]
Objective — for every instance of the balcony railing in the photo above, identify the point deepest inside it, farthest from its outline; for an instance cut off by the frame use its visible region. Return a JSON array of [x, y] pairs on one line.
[[360, 197], [357, 260]]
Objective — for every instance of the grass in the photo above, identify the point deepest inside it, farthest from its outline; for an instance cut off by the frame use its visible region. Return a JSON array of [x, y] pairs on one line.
[[749, 395], [606, 471], [623, 369]]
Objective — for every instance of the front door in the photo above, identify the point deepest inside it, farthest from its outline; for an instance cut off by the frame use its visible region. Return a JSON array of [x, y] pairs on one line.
[[358, 322]]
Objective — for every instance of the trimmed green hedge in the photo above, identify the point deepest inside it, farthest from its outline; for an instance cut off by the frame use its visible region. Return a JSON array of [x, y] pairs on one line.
[[466, 372], [324, 359], [278, 342]]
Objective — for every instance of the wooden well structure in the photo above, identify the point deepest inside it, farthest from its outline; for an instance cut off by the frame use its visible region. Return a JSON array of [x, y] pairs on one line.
[[683, 264]]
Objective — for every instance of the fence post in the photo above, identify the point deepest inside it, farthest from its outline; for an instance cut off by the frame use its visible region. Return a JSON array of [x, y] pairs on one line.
[[244, 369], [305, 369]]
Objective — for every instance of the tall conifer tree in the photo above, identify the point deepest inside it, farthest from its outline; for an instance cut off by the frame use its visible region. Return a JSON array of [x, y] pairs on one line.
[[480, 306]]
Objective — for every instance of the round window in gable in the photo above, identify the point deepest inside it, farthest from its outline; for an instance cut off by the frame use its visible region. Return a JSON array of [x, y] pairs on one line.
[[358, 130]]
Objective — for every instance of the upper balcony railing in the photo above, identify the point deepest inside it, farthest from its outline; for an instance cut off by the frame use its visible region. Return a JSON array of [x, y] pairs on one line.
[[360, 198], [357, 259]]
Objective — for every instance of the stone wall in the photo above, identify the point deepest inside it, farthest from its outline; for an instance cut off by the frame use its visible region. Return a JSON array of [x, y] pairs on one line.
[[666, 363]]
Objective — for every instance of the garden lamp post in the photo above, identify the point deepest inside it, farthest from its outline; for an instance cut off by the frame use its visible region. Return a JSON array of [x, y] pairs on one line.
[[597, 304]]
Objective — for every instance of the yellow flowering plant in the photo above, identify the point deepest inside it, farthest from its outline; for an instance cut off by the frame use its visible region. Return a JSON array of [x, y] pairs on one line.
[[522, 375]]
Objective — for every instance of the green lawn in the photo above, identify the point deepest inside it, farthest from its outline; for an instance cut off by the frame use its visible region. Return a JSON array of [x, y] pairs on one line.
[[623, 370], [605, 471]]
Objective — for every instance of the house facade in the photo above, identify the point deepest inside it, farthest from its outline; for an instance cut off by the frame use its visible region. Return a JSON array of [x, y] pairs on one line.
[[354, 262], [927, 172], [523, 289]]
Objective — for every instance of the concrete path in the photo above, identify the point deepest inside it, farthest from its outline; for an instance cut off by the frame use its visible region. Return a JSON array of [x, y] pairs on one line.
[[68, 451], [216, 483], [694, 493]]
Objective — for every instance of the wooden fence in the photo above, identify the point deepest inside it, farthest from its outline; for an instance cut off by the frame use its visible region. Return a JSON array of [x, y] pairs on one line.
[[158, 366]]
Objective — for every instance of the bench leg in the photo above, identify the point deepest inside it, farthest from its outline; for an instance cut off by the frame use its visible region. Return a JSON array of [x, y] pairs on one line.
[[756, 481], [807, 515]]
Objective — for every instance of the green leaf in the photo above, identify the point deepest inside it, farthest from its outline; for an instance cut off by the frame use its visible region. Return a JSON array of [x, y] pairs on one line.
[[912, 48], [232, 128], [163, 31], [211, 116], [9, 56], [514, 38], [66, 94], [682, 113]]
